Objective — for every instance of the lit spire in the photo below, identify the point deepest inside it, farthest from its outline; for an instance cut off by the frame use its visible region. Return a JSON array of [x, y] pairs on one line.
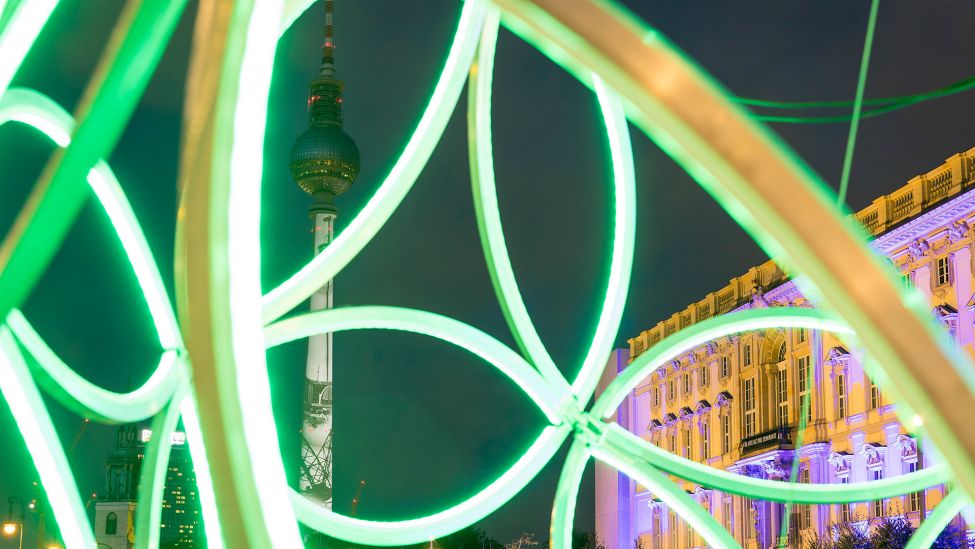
[[328, 48]]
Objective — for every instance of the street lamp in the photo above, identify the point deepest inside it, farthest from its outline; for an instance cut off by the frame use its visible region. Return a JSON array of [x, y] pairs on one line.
[[11, 527]]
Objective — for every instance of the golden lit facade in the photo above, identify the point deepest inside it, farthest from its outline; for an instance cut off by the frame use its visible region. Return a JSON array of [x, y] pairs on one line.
[[735, 403]]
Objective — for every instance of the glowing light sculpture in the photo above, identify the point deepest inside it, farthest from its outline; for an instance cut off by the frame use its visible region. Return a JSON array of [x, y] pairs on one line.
[[217, 382]]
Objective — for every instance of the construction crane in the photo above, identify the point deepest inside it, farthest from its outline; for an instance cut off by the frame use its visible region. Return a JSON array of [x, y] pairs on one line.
[[358, 496]]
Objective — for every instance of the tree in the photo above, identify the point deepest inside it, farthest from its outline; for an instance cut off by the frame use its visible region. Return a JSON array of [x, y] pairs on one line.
[[522, 541], [952, 537], [582, 539], [842, 536], [891, 533], [639, 543]]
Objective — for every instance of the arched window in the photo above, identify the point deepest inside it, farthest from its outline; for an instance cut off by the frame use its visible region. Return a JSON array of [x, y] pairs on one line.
[[111, 524], [781, 352]]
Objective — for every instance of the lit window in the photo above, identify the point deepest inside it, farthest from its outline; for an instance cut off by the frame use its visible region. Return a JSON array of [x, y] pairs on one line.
[[943, 273], [656, 396], [914, 498], [874, 395], [840, 396], [747, 355], [805, 511], [801, 335], [726, 431], [749, 407], [782, 388], [705, 441], [845, 508], [878, 505], [705, 375], [781, 353], [687, 443], [687, 383], [803, 382], [725, 367], [671, 389], [726, 512]]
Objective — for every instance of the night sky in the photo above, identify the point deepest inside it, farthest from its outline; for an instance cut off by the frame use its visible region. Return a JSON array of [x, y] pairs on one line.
[[422, 422]]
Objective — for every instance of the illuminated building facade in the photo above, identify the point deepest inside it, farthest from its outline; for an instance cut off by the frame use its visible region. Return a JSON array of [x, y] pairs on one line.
[[735, 403], [181, 525]]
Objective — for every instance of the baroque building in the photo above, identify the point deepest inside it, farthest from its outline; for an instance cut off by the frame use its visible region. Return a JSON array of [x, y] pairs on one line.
[[736, 403]]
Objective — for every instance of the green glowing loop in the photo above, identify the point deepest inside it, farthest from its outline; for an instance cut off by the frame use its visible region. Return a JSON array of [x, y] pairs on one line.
[[698, 334], [566, 495], [492, 235], [227, 413], [671, 494], [449, 520], [398, 182], [932, 526], [34, 424], [621, 442], [475, 341], [19, 34], [152, 478]]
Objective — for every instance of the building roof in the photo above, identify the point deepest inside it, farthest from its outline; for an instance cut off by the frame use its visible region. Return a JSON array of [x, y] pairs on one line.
[[880, 219]]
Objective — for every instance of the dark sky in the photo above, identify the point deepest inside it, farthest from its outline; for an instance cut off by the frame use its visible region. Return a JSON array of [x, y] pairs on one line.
[[423, 423]]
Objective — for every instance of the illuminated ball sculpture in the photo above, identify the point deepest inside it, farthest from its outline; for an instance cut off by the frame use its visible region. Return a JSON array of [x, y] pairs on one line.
[[636, 75]]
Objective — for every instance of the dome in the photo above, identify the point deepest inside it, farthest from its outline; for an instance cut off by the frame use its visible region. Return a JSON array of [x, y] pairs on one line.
[[324, 159]]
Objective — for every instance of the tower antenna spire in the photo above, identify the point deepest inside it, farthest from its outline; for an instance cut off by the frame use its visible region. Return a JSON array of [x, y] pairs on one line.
[[328, 48]]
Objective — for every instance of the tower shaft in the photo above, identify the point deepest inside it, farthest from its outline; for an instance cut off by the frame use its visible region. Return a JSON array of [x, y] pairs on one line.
[[316, 430]]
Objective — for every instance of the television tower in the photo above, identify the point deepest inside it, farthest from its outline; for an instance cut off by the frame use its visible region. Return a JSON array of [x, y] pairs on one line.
[[324, 163]]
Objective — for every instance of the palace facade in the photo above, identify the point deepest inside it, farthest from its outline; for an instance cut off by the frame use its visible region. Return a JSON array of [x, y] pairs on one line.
[[735, 403]]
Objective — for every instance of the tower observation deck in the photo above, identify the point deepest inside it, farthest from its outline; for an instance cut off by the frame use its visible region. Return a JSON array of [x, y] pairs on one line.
[[324, 163]]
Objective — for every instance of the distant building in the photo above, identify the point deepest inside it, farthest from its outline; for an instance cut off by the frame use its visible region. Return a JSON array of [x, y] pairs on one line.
[[180, 526], [734, 403]]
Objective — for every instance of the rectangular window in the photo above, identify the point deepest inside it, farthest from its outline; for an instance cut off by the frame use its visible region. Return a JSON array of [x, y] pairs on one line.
[[687, 443], [750, 419], [657, 536], [805, 511], [726, 512], [705, 441], [726, 432], [672, 524], [782, 391], [803, 383], [840, 396], [671, 389], [845, 508], [942, 270], [656, 396], [801, 335], [874, 395], [705, 375], [914, 498], [687, 383], [746, 356], [878, 505], [673, 442], [725, 367]]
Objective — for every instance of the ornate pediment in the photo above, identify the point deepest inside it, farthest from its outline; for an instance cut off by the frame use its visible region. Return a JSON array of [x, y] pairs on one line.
[[957, 231], [724, 399], [686, 414], [670, 418], [871, 452], [907, 446], [654, 425], [918, 249], [702, 406], [836, 355], [947, 316], [777, 469], [840, 462]]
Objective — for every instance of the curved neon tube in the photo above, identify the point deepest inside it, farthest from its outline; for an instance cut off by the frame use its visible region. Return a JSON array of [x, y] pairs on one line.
[[931, 527], [449, 520], [566, 494], [34, 424], [452, 331], [152, 478], [398, 182]]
